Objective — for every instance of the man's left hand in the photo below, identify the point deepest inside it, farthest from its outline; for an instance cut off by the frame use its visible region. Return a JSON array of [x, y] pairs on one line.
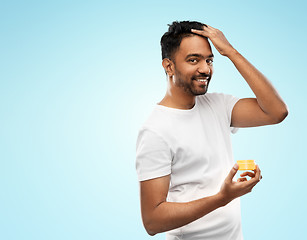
[[217, 38]]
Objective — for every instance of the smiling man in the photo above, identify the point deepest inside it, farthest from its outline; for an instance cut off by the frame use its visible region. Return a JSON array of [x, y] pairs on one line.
[[184, 157]]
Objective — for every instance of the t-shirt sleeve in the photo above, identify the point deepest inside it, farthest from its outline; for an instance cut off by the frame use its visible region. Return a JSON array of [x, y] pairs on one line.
[[153, 156], [230, 102]]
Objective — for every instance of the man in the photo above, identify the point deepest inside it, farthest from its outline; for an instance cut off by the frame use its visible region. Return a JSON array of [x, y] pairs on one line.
[[184, 149]]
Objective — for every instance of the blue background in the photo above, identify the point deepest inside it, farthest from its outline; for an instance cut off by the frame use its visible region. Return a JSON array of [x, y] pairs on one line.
[[78, 79]]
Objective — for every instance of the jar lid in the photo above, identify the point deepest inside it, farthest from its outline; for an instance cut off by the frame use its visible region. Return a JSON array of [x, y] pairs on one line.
[[246, 164]]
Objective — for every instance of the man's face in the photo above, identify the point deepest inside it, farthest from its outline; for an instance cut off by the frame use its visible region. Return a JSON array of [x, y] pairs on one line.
[[193, 65]]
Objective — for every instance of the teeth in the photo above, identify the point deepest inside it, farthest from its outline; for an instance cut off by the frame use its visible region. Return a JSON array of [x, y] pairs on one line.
[[202, 80], [205, 81]]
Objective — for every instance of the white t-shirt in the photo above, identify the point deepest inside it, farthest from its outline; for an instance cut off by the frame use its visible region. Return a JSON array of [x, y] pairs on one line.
[[194, 147]]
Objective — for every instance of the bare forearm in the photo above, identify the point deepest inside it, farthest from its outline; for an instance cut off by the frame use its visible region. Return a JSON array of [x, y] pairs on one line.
[[160, 216], [267, 96], [170, 215]]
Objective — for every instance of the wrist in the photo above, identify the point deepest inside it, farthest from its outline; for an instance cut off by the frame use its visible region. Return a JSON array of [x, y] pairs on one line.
[[232, 53], [222, 200]]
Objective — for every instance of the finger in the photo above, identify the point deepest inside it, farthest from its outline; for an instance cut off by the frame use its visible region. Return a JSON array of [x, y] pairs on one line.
[[250, 174], [258, 173], [232, 173], [199, 32], [208, 26], [254, 181], [241, 180]]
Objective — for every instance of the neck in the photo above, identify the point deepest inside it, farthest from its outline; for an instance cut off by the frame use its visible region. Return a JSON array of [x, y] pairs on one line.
[[176, 97]]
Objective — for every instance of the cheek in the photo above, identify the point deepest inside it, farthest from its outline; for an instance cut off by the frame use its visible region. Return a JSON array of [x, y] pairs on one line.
[[186, 71], [190, 70]]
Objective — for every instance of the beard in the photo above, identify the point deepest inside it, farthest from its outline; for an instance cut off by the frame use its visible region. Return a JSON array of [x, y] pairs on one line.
[[191, 86]]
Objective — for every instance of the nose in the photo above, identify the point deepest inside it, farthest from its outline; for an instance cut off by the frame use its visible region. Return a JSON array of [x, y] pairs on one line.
[[204, 68]]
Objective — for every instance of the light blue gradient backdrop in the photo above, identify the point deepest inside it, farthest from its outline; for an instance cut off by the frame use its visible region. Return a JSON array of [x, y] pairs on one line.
[[78, 78]]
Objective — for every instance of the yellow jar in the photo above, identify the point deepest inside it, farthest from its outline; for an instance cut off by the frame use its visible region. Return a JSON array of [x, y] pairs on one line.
[[246, 164]]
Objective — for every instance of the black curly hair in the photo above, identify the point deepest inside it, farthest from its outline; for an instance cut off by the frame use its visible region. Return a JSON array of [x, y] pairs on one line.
[[170, 41]]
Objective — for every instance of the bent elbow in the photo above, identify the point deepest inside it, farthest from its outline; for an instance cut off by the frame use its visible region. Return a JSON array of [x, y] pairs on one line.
[[151, 233], [281, 116], [150, 230], [284, 115]]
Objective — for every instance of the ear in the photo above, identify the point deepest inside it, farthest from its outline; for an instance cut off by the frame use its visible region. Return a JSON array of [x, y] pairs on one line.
[[168, 66]]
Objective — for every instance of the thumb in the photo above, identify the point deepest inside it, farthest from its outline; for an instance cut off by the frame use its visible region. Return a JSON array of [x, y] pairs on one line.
[[232, 173]]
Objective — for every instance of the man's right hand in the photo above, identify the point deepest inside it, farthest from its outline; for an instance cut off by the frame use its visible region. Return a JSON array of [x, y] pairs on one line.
[[160, 215], [231, 189]]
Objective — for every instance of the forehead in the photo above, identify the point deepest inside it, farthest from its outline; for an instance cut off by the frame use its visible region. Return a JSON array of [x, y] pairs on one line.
[[194, 45]]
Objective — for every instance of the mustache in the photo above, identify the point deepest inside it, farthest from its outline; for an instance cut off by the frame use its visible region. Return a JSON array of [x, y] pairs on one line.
[[203, 75]]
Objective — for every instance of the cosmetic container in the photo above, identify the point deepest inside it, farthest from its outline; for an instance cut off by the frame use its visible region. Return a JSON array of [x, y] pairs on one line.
[[246, 165]]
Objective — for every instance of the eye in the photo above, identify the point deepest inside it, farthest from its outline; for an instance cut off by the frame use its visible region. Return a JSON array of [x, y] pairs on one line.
[[192, 60], [209, 61]]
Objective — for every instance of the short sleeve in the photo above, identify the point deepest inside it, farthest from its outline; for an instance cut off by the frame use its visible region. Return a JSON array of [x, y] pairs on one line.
[[230, 102], [153, 156]]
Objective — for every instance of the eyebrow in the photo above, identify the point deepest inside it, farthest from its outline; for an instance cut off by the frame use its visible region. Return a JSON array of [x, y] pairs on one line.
[[198, 55]]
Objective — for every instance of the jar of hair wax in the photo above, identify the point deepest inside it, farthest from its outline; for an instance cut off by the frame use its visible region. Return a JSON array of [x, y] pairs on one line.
[[246, 165]]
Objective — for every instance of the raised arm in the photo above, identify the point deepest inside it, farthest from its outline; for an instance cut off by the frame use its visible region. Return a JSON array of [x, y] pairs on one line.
[[268, 107], [159, 215]]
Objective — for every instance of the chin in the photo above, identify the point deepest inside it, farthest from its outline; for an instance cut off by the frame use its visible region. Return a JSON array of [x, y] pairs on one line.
[[197, 90], [197, 93]]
